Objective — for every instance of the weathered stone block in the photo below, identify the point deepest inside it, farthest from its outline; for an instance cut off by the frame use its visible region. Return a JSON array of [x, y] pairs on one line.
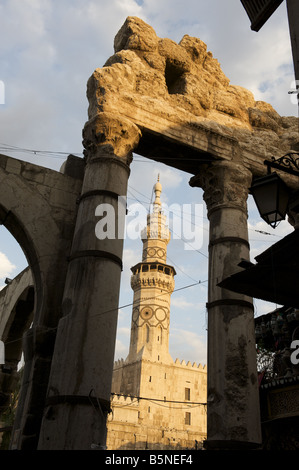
[[13, 166], [136, 34], [187, 88], [33, 173]]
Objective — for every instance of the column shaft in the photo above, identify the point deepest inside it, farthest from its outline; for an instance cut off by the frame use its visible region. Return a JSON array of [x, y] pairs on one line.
[[80, 382], [233, 400]]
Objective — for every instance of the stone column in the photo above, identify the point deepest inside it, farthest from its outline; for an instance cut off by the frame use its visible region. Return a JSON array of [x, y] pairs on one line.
[[78, 398], [233, 399]]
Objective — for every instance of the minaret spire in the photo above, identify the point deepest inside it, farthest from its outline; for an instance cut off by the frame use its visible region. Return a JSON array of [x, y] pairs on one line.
[[152, 282], [157, 190]]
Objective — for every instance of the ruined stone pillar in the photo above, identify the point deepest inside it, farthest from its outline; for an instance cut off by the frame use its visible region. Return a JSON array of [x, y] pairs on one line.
[[78, 398], [233, 401]]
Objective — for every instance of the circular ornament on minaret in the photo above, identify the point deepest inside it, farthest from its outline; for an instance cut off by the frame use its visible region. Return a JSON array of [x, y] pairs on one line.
[[146, 313], [161, 253], [151, 252], [135, 316], [161, 314]]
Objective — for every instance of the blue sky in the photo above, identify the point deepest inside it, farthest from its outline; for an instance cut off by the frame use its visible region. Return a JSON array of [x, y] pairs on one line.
[[49, 49]]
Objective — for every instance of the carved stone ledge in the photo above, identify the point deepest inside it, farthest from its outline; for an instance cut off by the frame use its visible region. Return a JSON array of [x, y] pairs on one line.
[[152, 280]]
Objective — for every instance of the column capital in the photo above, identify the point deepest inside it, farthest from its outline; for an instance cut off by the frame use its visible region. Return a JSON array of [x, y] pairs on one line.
[[225, 184], [110, 134]]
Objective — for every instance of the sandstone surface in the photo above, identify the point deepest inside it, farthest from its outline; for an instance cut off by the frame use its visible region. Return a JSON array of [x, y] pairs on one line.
[[184, 84]]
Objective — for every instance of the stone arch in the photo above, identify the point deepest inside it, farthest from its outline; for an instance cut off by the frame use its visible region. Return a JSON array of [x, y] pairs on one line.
[[17, 305], [38, 207], [21, 212]]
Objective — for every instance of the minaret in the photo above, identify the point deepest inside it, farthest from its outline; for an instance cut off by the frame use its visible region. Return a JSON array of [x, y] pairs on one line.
[[152, 282]]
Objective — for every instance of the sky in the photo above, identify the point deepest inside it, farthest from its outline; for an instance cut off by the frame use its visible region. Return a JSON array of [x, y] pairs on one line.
[[49, 49]]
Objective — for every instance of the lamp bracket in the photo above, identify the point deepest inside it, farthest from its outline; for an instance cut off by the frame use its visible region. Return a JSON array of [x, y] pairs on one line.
[[289, 163]]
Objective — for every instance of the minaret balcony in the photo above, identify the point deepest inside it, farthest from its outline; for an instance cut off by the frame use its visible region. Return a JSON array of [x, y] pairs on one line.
[[153, 274]]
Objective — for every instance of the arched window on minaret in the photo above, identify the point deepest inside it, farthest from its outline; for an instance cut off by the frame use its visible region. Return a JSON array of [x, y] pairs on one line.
[[147, 333], [160, 335]]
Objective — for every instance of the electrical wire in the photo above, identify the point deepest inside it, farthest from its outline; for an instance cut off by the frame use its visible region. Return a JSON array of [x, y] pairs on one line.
[[60, 154], [45, 153], [262, 232], [180, 269], [148, 298], [173, 232], [117, 308], [162, 400], [175, 407]]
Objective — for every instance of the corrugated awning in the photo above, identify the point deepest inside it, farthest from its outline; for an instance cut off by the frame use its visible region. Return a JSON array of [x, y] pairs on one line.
[[259, 11], [275, 276]]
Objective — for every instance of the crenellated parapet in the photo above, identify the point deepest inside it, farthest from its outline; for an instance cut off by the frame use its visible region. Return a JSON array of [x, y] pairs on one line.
[[119, 363], [182, 363], [120, 400]]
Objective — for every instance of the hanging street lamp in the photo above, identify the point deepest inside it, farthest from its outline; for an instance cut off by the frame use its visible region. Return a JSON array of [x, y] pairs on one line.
[[271, 195]]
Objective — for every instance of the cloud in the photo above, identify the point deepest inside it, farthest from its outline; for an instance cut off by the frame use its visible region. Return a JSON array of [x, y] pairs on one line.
[[124, 331], [181, 302], [262, 235], [121, 350], [187, 345], [144, 176], [50, 49], [262, 307], [170, 178], [283, 229], [48, 53], [6, 267], [246, 57], [130, 258]]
